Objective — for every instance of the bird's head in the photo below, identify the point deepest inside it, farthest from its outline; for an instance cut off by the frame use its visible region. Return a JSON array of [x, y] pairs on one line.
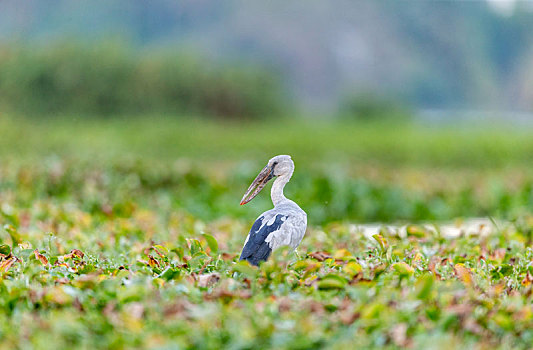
[[278, 166]]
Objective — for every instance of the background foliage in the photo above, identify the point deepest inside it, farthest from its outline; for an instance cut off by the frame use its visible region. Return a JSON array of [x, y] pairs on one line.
[[363, 172], [445, 55], [110, 80]]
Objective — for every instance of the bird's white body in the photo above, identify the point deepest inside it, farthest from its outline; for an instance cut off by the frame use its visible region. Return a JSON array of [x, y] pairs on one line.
[[292, 230], [284, 225]]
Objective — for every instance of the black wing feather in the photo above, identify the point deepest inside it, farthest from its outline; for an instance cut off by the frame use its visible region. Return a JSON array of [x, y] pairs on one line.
[[256, 249]]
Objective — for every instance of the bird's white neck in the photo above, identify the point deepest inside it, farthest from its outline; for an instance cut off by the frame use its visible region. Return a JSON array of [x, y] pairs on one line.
[[277, 188]]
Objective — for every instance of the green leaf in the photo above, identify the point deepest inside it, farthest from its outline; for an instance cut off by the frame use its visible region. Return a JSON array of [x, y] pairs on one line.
[[196, 247], [416, 231], [331, 281], [197, 261], [424, 286], [372, 311], [381, 241], [178, 251], [87, 269], [5, 249], [211, 242], [169, 274], [162, 250], [342, 254], [122, 274], [403, 269], [352, 268], [304, 264], [25, 253], [13, 233], [245, 268], [506, 269], [182, 241]]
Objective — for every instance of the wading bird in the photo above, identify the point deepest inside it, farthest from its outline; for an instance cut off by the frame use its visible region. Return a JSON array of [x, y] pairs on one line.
[[284, 225]]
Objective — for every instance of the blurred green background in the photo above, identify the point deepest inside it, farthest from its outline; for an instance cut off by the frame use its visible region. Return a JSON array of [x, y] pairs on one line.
[[391, 111], [130, 129]]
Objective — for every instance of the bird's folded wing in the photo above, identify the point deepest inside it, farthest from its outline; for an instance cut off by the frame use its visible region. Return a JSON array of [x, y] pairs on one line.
[[290, 232], [256, 247], [270, 232]]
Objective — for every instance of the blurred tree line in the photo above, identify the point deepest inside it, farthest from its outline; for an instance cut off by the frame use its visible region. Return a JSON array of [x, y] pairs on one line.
[[106, 80], [431, 54]]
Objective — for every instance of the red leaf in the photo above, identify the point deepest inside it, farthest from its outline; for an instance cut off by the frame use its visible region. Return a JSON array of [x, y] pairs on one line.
[[320, 256], [6, 264], [40, 257]]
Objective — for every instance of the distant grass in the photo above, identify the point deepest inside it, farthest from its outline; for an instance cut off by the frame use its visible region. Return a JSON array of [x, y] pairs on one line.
[[401, 145], [344, 172]]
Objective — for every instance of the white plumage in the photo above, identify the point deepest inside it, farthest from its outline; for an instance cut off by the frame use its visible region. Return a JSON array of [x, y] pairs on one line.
[[284, 225]]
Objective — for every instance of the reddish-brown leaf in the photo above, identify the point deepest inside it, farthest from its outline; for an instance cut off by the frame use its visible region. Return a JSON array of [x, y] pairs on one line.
[[152, 261], [527, 280], [158, 252], [227, 256], [320, 256], [78, 253], [460, 309], [349, 317], [175, 309], [499, 254], [40, 257], [398, 333], [464, 274], [6, 264], [432, 266], [62, 280], [226, 294], [208, 280]]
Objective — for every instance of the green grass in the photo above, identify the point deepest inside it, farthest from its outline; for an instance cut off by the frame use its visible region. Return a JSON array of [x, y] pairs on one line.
[[309, 142], [355, 172], [153, 207]]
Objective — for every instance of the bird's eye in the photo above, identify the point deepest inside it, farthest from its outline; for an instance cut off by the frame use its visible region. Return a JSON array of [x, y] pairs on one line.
[[275, 163]]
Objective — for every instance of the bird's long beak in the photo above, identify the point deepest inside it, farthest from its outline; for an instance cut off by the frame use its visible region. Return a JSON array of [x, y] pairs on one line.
[[257, 185]]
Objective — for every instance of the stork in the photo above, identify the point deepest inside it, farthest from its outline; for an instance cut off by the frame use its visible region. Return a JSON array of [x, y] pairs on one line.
[[284, 225]]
